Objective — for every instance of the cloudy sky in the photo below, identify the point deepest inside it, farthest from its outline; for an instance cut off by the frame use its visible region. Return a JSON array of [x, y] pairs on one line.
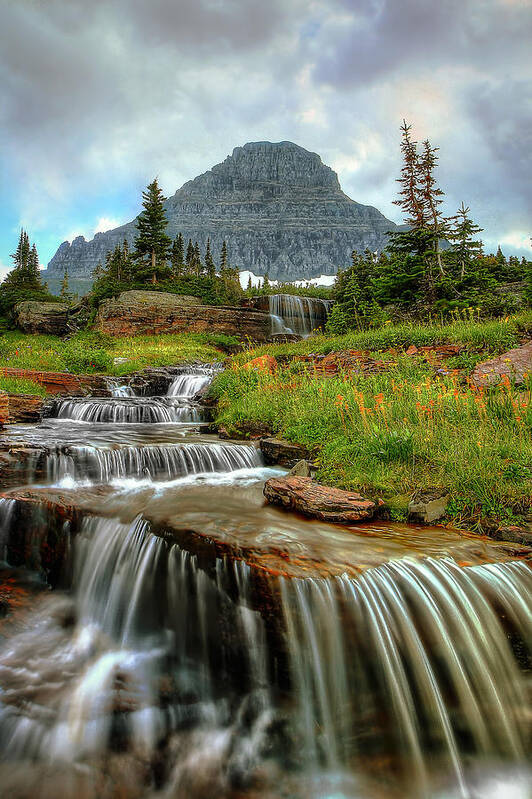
[[98, 96]]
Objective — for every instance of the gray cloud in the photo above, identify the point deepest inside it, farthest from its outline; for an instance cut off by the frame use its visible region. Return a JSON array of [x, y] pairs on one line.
[[98, 97]]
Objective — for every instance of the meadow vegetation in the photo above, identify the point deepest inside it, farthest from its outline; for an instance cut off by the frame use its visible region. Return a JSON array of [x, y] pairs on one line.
[[89, 352], [409, 426]]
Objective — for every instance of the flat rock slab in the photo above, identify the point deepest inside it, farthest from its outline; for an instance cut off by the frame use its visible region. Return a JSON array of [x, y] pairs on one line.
[[514, 364], [157, 312], [318, 501]]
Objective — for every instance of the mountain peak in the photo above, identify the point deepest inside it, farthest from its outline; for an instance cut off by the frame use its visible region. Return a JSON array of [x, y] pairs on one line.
[[277, 205]]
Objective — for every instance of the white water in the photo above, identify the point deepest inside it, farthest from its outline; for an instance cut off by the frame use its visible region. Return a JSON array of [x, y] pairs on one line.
[[138, 410], [188, 384], [162, 654], [160, 463], [293, 314], [420, 648]]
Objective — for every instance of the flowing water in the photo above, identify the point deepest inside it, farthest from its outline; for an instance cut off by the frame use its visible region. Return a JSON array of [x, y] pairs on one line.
[[301, 315], [205, 645]]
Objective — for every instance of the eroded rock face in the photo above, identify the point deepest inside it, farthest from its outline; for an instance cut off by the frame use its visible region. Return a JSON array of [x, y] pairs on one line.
[[25, 408], [514, 364], [279, 208], [152, 312], [318, 501], [42, 317]]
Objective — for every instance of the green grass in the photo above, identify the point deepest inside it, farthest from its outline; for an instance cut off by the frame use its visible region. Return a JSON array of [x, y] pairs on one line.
[[489, 337], [391, 433], [15, 385], [89, 352]]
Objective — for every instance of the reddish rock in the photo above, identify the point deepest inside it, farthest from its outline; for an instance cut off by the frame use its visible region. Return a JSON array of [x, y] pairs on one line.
[[514, 364], [265, 363], [321, 502], [60, 382], [412, 350], [4, 408], [24, 408], [153, 312]]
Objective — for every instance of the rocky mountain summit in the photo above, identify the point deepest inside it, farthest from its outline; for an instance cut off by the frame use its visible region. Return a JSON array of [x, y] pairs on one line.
[[280, 209]]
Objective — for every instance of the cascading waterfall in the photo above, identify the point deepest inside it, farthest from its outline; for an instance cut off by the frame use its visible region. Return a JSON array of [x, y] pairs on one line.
[[138, 410], [146, 615], [294, 314], [118, 389], [190, 383], [99, 465], [411, 655]]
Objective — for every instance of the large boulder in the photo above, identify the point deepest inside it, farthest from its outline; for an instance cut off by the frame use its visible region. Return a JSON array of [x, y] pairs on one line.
[[514, 365], [318, 501], [42, 317], [154, 312]]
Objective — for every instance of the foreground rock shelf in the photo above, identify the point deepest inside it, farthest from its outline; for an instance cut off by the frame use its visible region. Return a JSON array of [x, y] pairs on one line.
[[271, 541]]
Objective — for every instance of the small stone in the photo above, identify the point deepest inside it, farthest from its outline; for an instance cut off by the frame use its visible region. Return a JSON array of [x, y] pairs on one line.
[[428, 505], [301, 469]]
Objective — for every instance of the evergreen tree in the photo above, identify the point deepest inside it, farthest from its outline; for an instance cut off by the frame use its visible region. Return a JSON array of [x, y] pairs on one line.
[[224, 263], [189, 260], [64, 292], [432, 198], [152, 240], [209, 262], [198, 265], [266, 283], [464, 246], [24, 281], [177, 257]]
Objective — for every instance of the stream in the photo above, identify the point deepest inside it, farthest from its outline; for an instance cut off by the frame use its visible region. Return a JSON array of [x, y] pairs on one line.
[[199, 643]]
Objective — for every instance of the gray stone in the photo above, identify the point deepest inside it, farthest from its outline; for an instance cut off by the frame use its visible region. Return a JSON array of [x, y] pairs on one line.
[[279, 208], [428, 506], [301, 469], [284, 453], [32, 316]]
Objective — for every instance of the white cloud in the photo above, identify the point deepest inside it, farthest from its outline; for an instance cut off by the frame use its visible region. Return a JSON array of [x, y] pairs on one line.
[[107, 223], [4, 269], [518, 239]]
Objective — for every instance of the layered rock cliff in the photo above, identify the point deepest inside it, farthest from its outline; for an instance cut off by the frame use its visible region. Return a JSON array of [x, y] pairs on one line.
[[280, 209]]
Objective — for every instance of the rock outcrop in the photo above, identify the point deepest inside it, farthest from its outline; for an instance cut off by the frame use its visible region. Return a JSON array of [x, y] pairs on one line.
[[152, 312], [42, 317], [514, 365], [284, 453], [280, 209], [318, 501]]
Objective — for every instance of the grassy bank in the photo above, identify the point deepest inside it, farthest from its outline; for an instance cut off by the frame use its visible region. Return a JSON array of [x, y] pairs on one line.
[[15, 385], [410, 426], [87, 353]]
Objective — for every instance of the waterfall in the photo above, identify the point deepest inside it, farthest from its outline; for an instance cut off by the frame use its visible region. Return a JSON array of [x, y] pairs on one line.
[[293, 314], [118, 389], [416, 654], [137, 410], [146, 615], [7, 508], [168, 462], [191, 382]]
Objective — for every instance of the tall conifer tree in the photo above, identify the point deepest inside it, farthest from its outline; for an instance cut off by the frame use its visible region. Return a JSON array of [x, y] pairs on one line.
[[151, 240]]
